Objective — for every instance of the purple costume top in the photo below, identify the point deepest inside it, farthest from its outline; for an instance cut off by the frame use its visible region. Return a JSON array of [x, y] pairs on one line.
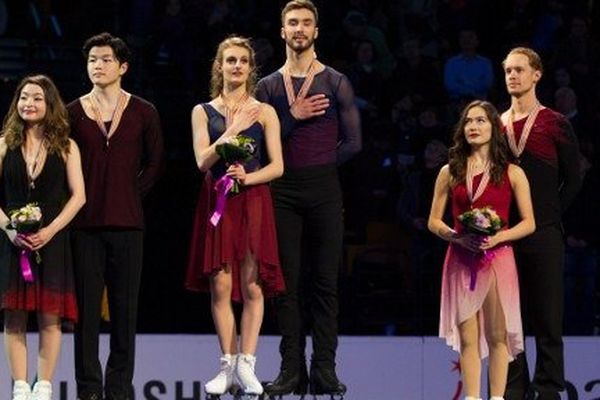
[[331, 138]]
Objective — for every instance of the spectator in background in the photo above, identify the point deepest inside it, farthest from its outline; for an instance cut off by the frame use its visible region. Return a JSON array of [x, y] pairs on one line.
[[468, 74], [585, 125], [580, 224], [366, 80], [3, 17], [356, 29], [417, 75], [581, 54], [427, 250]]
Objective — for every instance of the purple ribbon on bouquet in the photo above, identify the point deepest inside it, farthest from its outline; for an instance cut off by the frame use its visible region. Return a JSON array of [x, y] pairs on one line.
[[222, 186], [482, 259], [25, 265]]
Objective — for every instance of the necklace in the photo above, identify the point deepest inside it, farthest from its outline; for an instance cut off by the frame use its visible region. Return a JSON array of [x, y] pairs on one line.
[[115, 117], [289, 87], [517, 148], [472, 170], [31, 166], [230, 112]]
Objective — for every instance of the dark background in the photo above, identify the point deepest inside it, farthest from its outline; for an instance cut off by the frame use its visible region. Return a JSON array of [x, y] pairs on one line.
[[395, 53]]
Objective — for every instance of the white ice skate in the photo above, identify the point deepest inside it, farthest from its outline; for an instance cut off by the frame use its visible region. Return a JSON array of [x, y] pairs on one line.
[[246, 378], [21, 390], [42, 390], [221, 383]]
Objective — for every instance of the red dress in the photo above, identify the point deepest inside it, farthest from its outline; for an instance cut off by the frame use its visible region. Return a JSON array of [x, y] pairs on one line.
[[247, 226], [458, 301], [53, 289]]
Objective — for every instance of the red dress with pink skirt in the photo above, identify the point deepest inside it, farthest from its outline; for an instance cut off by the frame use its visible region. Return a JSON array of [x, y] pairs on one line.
[[458, 301], [247, 226]]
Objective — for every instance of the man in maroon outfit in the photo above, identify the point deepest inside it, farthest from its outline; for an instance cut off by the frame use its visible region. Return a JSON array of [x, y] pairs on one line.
[[543, 142], [121, 146]]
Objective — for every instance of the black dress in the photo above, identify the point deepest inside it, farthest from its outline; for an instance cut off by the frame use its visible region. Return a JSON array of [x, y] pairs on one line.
[[52, 290]]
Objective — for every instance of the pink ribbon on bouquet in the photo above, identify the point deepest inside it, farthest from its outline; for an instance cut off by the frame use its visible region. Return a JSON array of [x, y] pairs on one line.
[[482, 259], [26, 265], [222, 186]]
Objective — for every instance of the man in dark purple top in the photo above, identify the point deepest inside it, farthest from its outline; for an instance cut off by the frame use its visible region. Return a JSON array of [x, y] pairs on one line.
[[320, 130], [543, 142], [121, 146]]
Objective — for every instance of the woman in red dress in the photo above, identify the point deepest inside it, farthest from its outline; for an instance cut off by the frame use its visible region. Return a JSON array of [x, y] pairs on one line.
[[480, 311], [236, 257], [38, 164]]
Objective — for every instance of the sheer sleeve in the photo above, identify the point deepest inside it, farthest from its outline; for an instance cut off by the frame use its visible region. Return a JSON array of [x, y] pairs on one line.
[[568, 163], [264, 93], [350, 140]]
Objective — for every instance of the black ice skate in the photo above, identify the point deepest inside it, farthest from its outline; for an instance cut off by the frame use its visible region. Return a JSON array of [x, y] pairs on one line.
[[288, 382], [325, 382]]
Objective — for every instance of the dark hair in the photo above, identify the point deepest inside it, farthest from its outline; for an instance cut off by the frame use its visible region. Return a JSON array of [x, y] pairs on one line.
[[56, 121], [460, 150], [216, 78], [118, 45], [299, 5]]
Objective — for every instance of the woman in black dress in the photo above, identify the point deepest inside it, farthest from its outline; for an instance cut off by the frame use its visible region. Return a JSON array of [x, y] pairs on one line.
[[38, 164]]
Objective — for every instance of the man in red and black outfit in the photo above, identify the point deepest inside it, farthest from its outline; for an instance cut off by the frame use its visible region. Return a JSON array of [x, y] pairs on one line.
[[543, 142], [120, 138]]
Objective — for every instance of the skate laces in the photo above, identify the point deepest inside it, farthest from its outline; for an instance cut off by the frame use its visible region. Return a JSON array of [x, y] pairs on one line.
[[248, 359], [226, 364]]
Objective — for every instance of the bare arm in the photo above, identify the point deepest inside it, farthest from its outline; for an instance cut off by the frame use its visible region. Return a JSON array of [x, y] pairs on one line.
[[274, 169], [436, 223], [71, 207], [520, 187], [205, 152]]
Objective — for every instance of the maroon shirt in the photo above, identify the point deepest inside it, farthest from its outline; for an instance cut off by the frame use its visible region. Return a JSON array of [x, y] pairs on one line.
[[118, 175], [551, 162]]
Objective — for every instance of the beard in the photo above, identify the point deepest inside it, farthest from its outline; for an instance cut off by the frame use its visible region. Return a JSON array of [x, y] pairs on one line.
[[299, 47]]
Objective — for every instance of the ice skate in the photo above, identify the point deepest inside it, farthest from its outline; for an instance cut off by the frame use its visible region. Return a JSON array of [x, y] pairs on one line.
[[21, 391], [249, 386], [325, 382], [223, 382], [42, 390], [289, 381]]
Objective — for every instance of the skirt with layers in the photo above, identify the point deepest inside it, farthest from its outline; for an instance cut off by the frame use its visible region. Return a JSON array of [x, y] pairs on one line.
[[459, 302], [247, 226]]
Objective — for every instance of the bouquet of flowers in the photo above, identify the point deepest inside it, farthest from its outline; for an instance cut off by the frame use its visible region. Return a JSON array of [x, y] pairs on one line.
[[26, 220], [484, 222], [481, 221], [234, 150]]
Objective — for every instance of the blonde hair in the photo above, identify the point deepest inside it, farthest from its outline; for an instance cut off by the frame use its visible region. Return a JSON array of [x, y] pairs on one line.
[[535, 61], [216, 78]]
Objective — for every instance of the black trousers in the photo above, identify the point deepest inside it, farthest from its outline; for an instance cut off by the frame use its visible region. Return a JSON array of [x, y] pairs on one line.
[[112, 258], [308, 212], [540, 262]]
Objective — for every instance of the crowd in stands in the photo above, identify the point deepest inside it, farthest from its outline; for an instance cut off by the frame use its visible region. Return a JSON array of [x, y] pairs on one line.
[[413, 65]]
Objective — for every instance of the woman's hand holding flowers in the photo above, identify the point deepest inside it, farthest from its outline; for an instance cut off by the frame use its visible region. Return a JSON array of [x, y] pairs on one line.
[[237, 172]]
